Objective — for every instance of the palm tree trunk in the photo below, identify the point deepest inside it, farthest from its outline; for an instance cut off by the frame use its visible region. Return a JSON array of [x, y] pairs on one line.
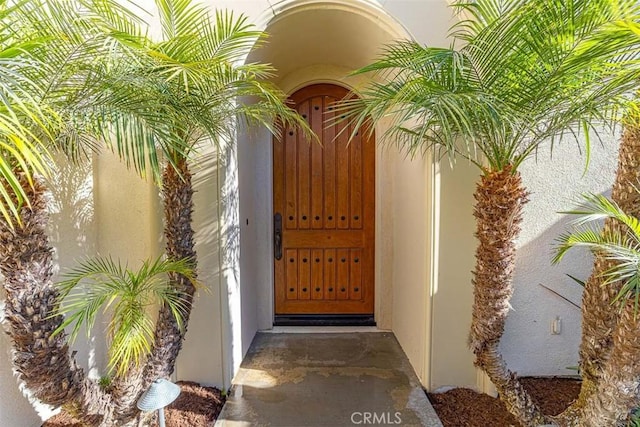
[[178, 211], [177, 194], [42, 360], [619, 385], [500, 197], [599, 318], [126, 390]]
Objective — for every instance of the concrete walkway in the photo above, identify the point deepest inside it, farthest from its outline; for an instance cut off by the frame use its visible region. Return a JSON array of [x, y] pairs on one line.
[[333, 379]]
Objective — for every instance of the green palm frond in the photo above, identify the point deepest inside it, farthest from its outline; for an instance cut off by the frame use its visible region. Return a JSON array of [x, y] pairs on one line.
[[179, 17], [99, 80], [51, 56], [128, 296], [24, 121], [597, 207], [622, 246], [526, 72], [200, 65], [77, 74]]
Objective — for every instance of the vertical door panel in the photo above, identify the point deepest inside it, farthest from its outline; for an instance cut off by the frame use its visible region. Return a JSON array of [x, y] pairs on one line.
[[317, 173], [330, 291], [304, 274], [342, 177], [343, 274], [328, 135], [292, 273], [355, 274], [356, 181], [304, 172], [291, 178], [317, 274]]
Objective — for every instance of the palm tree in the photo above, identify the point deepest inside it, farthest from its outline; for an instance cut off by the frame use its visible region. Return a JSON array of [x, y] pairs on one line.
[[615, 395], [599, 321], [160, 100], [58, 58], [199, 64], [529, 72], [42, 361]]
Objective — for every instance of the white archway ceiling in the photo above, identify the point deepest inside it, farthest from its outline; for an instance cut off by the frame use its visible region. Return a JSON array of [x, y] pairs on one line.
[[320, 37]]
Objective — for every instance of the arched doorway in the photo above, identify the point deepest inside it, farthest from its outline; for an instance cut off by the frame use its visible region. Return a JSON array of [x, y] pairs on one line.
[[321, 42], [324, 217], [318, 42]]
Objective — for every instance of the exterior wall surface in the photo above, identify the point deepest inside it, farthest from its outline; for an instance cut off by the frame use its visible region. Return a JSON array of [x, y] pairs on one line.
[[424, 222], [452, 361], [411, 262], [203, 355], [555, 182]]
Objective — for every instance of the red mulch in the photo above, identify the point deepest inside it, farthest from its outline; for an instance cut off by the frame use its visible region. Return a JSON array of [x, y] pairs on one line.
[[462, 407], [197, 406]]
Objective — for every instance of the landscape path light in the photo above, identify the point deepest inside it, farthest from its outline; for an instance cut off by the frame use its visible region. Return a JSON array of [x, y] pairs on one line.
[[159, 394]]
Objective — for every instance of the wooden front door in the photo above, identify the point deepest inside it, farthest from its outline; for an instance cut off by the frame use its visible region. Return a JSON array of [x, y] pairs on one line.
[[323, 213]]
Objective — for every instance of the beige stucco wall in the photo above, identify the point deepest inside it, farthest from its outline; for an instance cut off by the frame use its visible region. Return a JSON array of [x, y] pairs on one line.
[[412, 256], [202, 358], [452, 361], [424, 224]]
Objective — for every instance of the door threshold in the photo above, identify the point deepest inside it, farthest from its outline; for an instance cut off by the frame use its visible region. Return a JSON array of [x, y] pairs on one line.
[[322, 330], [324, 320]]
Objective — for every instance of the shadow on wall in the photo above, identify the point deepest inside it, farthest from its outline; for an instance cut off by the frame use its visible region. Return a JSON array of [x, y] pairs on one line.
[[72, 210], [206, 211], [215, 243], [555, 181], [229, 206], [216, 328], [201, 358], [230, 247], [73, 234], [535, 308]]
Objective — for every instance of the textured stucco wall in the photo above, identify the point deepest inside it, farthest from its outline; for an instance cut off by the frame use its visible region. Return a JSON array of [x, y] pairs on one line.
[[452, 361], [202, 356], [555, 183], [252, 246], [411, 264]]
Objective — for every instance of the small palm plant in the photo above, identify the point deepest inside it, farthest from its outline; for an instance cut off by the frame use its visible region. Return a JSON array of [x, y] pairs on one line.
[[130, 297], [612, 404]]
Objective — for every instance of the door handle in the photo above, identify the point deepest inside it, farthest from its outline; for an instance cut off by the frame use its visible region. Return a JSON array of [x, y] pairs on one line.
[[277, 236]]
